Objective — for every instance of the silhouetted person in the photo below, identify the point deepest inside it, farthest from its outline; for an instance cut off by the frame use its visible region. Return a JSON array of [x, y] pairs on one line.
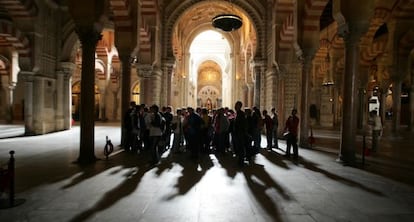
[[193, 129], [275, 119], [268, 122], [221, 126], [154, 120], [128, 124], [291, 128], [240, 133]]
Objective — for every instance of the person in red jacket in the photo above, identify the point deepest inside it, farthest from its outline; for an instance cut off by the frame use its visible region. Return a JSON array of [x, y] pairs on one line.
[[291, 134]]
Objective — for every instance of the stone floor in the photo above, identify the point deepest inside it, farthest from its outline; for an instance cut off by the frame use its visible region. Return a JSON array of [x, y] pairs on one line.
[[125, 188]]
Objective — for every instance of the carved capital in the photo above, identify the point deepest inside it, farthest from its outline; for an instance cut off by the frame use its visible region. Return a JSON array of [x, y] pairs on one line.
[[88, 35], [27, 76], [144, 70], [67, 68]]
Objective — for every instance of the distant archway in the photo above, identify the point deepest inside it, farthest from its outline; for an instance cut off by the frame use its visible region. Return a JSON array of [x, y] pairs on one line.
[[136, 90], [76, 101]]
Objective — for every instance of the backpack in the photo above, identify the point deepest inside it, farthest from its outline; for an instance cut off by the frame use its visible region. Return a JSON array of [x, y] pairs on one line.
[[163, 124], [159, 121]]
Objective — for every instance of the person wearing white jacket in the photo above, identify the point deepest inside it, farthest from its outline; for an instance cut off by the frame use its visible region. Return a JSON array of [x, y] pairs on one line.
[[376, 129], [177, 128], [153, 121]]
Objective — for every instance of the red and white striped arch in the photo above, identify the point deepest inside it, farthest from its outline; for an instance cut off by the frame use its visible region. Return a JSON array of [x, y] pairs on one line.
[[323, 69], [406, 44], [100, 69], [380, 17], [285, 12], [404, 10], [148, 12], [377, 48], [12, 37], [4, 66], [122, 16], [20, 9], [287, 34], [313, 12]]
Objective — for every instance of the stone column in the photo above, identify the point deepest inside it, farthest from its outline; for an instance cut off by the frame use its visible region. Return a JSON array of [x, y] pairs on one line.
[[28, 102], [124, 56], [89, 37], [102, 104], [396, 106], [362, 113], [166, 84], [411, 96], [256, 100], [304, 109], [67, 68], [39, 84], [144, 73], [59, 116], [9, 88], [250, 94], [116, 104], [336, 87], [156, 84], [258, 69], [348, 130]]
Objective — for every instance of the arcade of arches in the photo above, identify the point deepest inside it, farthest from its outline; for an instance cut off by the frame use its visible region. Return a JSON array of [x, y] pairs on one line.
[[328, 58]]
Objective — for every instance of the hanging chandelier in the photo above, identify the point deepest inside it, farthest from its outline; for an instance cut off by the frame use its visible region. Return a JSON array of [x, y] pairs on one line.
[[227, 22]]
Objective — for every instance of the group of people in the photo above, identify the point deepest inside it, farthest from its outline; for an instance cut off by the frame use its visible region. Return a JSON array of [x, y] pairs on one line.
[[200, 131]]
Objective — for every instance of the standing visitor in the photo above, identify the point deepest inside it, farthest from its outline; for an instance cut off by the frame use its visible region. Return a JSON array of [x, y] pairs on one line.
[[177, 128], [154, 121], [275, 120], [376, 129], [268, 122], [291, 133], [239, 133]]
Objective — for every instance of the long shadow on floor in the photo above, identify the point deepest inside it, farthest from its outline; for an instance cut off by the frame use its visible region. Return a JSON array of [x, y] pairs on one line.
[[192, 172], [314, 167], [259, 181], [137, 169], [275, 158]]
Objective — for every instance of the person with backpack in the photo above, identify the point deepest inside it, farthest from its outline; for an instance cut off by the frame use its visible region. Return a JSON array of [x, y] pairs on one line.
[[154, 123]]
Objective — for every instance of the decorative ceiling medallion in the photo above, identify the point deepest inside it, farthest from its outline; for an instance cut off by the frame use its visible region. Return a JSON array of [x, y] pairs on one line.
[[227, 22]]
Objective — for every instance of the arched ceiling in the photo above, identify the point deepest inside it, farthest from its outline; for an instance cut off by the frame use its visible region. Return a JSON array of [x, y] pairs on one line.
[[209, 73], [198, 18]]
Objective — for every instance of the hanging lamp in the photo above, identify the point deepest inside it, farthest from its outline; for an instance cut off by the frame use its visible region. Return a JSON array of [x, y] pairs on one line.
[[227, 22], [328, 81]]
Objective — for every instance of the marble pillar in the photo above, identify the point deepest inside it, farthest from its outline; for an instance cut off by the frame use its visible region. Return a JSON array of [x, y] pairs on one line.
[[68, 68], [125, 91], [304, 109], [411, 117], [59, 116], [144, 74], [396, 106], [28, 102], [257, 85], [89, 37], [348, 129]]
